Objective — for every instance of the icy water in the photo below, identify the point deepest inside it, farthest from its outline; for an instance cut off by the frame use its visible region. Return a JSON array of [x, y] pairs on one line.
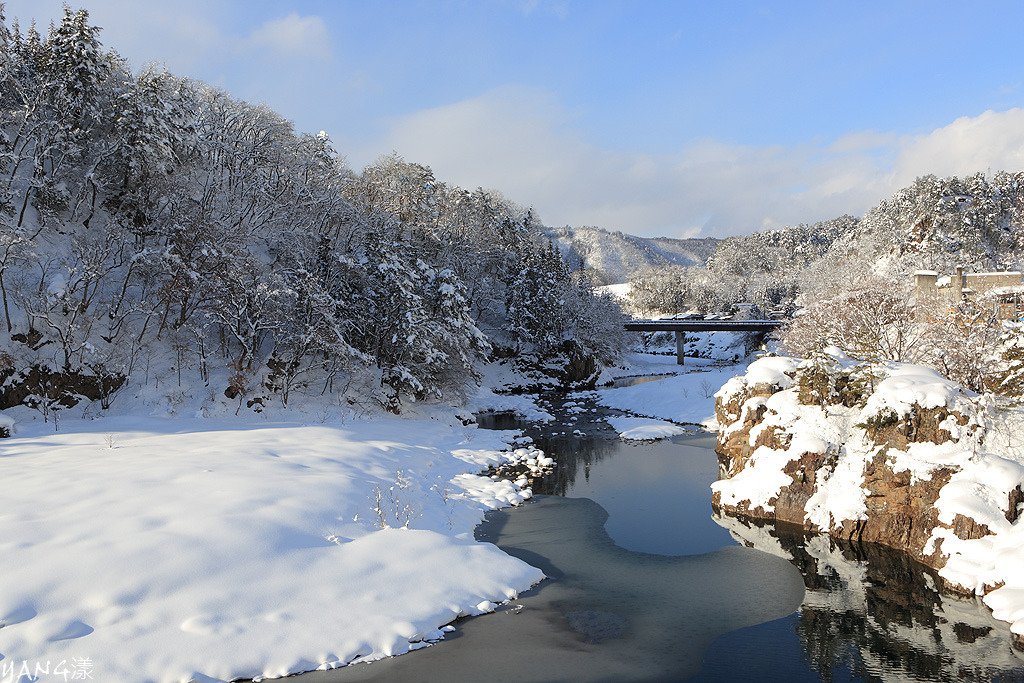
[[645, 583]]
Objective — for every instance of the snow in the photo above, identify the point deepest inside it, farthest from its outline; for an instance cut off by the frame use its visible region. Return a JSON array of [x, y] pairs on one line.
[[618, 291], [1002, 291], [57, 285], [683, 399], [984, 456], [759, 482], [171, 550], [6, 423], [907, 385], [644, 429], [840, 495], [498, 376], [980, 490], [772, 371]]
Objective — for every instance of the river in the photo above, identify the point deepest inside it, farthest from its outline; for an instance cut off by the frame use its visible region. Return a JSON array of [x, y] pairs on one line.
[[646, 583]]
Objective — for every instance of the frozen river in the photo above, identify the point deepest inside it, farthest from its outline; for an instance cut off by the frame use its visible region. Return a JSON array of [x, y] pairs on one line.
[[646, 583]]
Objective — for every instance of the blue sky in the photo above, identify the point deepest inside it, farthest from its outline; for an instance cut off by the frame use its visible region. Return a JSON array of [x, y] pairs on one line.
[[675, 118]]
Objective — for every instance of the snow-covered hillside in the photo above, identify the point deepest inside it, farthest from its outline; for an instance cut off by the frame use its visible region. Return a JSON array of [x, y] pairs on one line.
[[616, 257], [935, 223], [152, 225]]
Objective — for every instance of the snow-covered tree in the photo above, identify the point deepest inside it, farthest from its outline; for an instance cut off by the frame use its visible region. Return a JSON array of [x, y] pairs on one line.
[[877, 320]]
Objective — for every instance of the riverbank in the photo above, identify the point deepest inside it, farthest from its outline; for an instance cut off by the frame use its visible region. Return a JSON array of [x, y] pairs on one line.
[[181, 549], [624, 533], [894, 454]]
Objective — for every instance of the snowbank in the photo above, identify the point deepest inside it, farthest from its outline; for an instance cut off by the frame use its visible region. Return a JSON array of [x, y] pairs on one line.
[[174, 550], [683, 399], [908, 387], [771, 371]]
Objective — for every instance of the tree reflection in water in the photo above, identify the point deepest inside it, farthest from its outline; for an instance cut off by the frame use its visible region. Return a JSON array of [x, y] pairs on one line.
[[873, 613], [578, 437]]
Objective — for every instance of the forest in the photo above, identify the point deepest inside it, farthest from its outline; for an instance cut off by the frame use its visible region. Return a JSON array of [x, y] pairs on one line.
[[150, 223], [934, 224]]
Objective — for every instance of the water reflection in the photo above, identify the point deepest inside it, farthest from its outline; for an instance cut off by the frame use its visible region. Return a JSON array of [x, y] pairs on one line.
[[610, 613], [870, 613], [577, 438], [605, 614], [656, 494]]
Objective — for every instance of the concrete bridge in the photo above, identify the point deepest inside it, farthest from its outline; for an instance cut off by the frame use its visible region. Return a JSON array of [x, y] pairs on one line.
[[684, 325]]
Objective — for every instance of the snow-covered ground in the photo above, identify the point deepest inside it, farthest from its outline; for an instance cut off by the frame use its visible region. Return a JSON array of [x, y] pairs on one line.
[[618, 291], [982, 458], [686, 395], [207, 549], [687, 398]]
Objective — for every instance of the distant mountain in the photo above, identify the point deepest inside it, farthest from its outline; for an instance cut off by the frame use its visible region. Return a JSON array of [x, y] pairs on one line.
[[935, 223], [616, 257]]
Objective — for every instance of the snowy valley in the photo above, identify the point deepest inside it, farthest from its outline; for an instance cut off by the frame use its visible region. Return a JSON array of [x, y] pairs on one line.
[[265, 414]]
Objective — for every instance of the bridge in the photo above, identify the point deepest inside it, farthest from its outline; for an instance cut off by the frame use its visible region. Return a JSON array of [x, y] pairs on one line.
[[683, 325]]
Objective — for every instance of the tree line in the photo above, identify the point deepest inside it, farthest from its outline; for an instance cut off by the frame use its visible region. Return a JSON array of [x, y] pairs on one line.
[[150, 220]]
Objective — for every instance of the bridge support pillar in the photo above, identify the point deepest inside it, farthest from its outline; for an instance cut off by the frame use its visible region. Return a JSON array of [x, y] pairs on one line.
[[680, 347], [754, 341]]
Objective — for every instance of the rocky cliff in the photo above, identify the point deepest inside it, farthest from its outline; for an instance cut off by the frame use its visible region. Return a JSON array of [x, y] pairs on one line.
[[892, 454]]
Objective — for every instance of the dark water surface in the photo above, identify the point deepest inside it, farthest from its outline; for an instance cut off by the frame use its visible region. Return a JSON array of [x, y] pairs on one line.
[[645, 583]]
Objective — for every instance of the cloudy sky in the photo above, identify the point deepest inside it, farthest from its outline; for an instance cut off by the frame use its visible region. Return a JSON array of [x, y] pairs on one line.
[[657, 118]]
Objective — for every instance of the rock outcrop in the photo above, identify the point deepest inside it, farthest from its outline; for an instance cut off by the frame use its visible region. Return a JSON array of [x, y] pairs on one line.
[[892, 454]]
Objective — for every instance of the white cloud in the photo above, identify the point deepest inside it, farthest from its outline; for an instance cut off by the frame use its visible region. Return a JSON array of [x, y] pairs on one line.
[[294, 36], [521, 141], [990, 141], [191, 36]]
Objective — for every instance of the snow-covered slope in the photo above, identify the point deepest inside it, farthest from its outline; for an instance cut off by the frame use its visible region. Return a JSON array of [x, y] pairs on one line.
[[615, 256]]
